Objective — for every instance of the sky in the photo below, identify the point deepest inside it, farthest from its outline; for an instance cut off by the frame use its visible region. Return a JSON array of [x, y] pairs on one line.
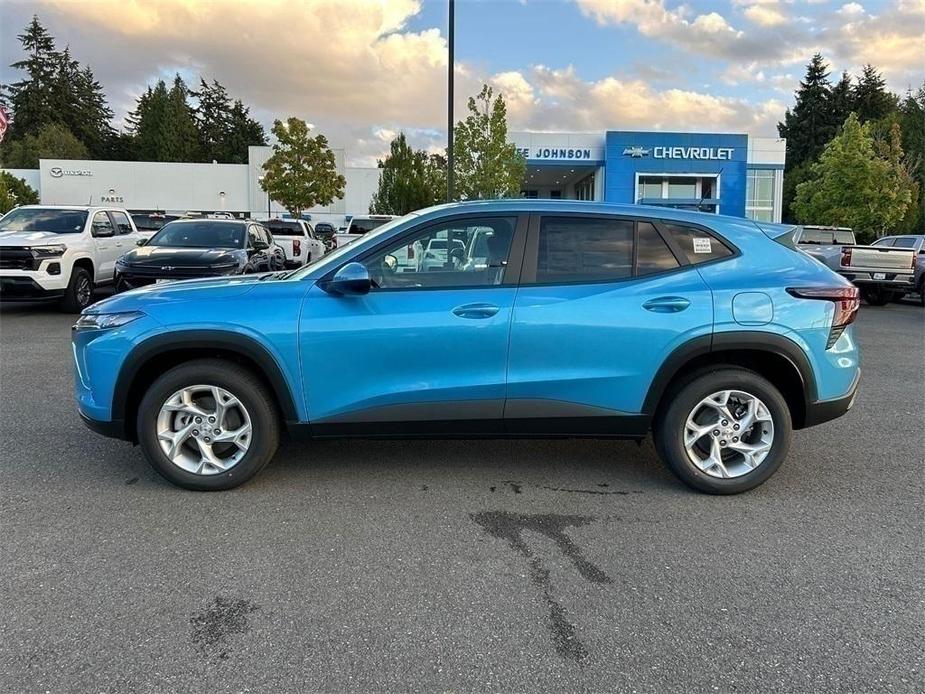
[[362, 70]]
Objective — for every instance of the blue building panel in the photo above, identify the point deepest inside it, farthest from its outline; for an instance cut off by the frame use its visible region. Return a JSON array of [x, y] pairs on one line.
[[627, 154]]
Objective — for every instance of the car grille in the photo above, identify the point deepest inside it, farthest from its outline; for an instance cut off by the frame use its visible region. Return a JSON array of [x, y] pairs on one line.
[[17, 259], [175, 272]]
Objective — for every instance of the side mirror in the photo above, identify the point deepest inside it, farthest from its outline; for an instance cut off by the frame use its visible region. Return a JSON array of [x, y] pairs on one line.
[[141, 242], [261, 245], [351, 280]]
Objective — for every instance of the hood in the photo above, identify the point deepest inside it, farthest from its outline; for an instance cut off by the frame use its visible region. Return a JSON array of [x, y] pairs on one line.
[[34, 238], [185, 290], [158, 256]]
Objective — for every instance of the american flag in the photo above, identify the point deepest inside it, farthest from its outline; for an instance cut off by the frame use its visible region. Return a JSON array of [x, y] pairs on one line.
[[4, 122]]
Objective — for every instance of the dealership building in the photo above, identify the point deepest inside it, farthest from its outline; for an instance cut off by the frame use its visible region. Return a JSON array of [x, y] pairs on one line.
[[733, 174]]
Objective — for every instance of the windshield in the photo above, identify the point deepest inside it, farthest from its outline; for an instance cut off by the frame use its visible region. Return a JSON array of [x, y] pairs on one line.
[[332, 258], [364, 226], [52, 221], [285, 228], [204, 234]]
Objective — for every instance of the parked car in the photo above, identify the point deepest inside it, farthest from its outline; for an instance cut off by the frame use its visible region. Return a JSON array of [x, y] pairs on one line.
[[325, 231], [191, 248], [298, 240], [61, 253], [583, 319], [360, 225], [917, 243], [880, 272], [148, 224]]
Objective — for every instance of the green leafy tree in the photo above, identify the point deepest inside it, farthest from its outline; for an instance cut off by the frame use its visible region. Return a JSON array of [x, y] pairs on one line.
[[53, 141], [301, 173], [912, 122], [486, 165], [410, 180], [15, 191], [854, 185], [871, 100], [811, 123]]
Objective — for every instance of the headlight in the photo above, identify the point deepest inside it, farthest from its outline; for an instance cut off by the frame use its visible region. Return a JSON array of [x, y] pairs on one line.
[[102, 321], [48, 251]]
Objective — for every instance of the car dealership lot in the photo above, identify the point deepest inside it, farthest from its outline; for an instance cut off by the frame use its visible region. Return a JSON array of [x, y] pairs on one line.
[[461, 565]]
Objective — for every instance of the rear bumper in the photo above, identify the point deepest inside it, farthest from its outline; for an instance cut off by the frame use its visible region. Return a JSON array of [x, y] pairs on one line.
[[891, 279], [826, 410]]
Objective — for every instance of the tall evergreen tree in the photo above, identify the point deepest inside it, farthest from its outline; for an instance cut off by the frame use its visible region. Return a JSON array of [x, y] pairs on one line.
[[145, 122], [31, 99], [841, 99], [225, 128], [811, 123], [871, 99], [164, 125], [243, 131]]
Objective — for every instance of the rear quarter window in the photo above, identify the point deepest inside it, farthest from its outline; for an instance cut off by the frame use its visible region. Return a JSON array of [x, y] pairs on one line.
[[698, 246]]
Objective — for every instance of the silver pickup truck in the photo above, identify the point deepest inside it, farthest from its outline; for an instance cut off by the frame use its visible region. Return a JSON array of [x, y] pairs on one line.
[[882, 273]]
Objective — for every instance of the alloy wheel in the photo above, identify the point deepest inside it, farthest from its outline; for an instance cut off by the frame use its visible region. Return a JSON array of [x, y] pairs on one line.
[[729, 433], [83, 290], [204, 429]]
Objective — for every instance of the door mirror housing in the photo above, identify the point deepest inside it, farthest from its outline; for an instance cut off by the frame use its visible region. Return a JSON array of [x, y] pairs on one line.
[[141, 242], [351, 280], [260, 245]]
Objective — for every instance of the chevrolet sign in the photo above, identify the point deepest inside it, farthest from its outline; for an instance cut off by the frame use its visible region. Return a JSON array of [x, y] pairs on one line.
[[637, 152], [724, 153]]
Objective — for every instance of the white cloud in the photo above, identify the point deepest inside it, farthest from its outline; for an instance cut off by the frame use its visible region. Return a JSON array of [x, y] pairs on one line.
[[765, 15]]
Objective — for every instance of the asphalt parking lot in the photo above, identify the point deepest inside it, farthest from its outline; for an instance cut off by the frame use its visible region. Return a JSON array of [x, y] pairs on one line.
[[461, 565]]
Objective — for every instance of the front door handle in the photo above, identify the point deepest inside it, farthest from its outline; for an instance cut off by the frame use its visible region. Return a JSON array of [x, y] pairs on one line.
[[667, 304], [476, 310]]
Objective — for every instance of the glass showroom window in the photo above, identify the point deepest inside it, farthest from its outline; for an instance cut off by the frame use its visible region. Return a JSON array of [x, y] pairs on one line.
[[759, 195]]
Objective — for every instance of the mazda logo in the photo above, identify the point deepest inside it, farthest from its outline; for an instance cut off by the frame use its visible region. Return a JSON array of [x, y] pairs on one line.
[[56, 172]]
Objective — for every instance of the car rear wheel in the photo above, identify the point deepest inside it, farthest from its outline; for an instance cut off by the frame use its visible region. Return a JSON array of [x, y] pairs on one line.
[[725, 431], [208, 425], [79, 292]]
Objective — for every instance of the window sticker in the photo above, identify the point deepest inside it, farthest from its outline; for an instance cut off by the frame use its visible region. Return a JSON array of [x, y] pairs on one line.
[[702, 245]]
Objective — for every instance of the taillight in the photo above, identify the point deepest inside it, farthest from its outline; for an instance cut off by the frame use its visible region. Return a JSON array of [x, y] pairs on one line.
[[845, 257], [296, 247], [847, 300]]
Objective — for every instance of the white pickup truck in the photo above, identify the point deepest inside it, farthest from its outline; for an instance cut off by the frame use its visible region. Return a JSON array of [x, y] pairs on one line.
[[297, 238], [881, 272], [60, 253], [359, 225]]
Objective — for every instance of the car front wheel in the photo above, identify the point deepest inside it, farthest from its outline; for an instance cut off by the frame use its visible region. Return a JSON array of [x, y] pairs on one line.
[[208, 425], [725, 431]]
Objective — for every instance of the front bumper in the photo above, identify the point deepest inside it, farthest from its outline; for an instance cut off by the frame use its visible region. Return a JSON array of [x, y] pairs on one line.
[[26, 288], [826, 410]]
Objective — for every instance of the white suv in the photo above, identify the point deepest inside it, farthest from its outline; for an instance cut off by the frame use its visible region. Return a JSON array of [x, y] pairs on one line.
[[61, 252]]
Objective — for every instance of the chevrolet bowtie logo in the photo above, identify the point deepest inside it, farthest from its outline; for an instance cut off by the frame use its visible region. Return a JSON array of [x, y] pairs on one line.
[[637, 152], [167, 268]]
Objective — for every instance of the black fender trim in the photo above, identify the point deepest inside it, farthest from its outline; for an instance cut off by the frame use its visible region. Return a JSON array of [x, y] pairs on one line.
[[202, 339], [751, 340]]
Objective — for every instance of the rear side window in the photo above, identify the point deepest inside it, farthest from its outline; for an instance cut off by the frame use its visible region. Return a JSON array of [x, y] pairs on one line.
[[907, 242], [122, 223], [584, 249], [696, 244], [652, 253]]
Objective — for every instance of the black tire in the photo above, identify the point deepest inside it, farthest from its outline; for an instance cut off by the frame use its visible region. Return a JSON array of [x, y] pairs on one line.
[[922, 292], [875, 296], [79, 292], [120, 285], [244, 385], [670, 429]]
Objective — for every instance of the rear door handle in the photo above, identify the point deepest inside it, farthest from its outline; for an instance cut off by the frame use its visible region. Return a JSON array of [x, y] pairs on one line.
[[667, 304], [476, 310]]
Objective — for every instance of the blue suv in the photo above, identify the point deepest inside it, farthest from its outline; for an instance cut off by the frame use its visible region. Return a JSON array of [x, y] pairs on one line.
[[516, 318]]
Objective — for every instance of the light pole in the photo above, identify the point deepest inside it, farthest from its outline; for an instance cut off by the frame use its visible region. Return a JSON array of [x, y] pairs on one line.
[[451, 31]]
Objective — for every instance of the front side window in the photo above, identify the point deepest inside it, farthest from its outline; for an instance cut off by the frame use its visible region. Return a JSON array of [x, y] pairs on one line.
[[102, 225], [576, 249], [696, 244], [465, 253]]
